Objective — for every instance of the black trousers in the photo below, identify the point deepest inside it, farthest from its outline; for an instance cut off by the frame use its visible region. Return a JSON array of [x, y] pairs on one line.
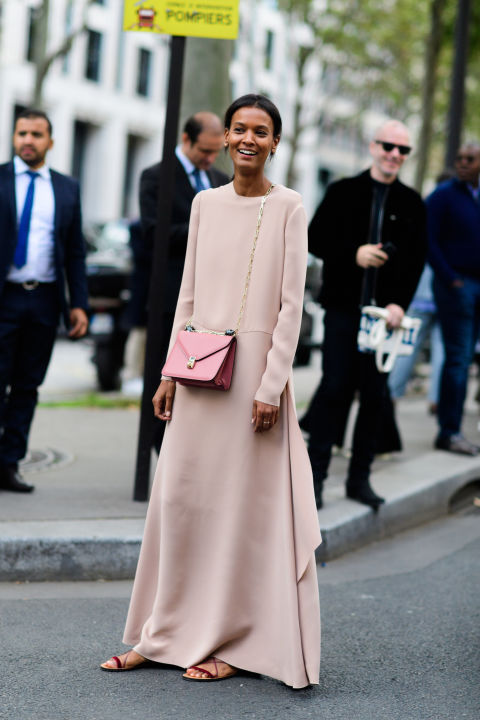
[[345, 370], [28, 324]]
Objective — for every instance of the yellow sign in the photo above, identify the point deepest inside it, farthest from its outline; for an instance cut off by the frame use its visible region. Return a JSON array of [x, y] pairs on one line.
[[198, 18]]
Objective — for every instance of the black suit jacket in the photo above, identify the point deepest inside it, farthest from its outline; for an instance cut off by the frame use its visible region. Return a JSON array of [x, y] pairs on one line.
[[342, 223], [182, 203], [68, 238]]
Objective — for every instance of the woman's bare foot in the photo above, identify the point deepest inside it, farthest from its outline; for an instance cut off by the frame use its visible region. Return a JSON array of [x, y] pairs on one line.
[[210, 669], [127, 661]]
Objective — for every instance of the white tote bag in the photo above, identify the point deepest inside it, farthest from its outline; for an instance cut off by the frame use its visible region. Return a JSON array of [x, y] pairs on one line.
[[387, 344]]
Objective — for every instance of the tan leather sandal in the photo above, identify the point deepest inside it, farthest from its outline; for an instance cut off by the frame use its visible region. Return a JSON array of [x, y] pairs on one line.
[[216, 675], [125, 665]]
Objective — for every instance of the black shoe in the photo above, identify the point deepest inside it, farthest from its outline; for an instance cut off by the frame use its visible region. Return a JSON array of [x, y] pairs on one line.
[[457, 444], [364, 494], [10, 479], [304, 423], [318, 489]]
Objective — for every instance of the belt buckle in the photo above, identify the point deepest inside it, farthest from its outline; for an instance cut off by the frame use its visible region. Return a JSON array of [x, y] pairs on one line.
[[30, 284]]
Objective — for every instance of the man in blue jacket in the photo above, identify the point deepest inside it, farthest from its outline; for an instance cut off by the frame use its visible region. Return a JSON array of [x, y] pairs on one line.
[[41, 252], [453, 212]]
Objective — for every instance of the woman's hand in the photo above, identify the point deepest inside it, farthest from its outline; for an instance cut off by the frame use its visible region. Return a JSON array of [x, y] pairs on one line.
[[163, 400], [264, 416]]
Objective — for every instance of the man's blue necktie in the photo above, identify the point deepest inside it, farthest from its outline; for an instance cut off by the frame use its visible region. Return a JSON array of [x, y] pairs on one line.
[[198, 180], [20, 257]]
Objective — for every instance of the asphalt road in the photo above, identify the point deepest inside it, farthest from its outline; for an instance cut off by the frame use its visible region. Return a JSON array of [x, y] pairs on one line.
[[400, 642]]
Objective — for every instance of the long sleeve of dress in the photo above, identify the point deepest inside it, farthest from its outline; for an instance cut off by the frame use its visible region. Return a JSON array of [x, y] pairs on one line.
[[286, 332], [184, 309]]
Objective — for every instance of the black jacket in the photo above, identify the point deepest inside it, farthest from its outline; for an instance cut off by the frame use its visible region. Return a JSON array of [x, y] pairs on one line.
[[342, 223], [182, 203]]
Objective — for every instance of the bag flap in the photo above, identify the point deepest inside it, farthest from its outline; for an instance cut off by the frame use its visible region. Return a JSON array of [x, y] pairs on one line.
[[202, 345]]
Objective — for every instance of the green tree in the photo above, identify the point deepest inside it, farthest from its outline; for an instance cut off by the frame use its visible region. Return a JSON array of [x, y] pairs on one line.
[[208, 88], [298, 11], [393, 56], [361, 49]]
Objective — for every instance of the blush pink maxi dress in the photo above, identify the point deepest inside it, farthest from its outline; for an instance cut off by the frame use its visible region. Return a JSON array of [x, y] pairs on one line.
[[227, 565]]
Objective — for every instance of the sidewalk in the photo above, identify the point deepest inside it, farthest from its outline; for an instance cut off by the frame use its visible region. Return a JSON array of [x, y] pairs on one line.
[[81, 521]]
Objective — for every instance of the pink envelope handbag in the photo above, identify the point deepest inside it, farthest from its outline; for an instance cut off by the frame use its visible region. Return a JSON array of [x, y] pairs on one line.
[[205, 358]]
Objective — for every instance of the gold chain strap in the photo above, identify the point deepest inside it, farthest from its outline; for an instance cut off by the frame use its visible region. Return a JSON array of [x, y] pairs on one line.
[[250, 264], [249, 273]]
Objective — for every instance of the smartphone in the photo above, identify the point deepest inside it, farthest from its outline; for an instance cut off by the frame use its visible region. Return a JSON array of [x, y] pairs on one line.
[[390, 249]]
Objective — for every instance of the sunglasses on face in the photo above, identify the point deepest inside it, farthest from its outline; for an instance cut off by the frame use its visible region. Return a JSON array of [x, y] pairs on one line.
[[388, 147], [465, 158]]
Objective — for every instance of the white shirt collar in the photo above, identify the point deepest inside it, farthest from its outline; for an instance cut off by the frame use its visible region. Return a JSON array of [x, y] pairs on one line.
[[21, 167], [189, 167]]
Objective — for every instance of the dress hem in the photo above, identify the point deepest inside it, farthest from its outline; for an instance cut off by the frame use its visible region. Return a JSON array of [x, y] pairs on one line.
[[184, 666]]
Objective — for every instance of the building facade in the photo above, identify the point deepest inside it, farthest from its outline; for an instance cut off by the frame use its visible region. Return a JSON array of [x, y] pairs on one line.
[[106, 97]]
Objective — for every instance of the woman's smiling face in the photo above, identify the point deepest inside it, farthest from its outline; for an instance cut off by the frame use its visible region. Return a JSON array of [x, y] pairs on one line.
[[250, 138]]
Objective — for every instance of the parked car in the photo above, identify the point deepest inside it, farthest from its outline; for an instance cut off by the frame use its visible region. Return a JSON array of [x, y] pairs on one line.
[[308, 339], [109, 266]]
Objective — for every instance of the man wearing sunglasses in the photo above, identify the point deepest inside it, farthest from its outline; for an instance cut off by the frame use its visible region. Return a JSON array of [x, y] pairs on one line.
[[453, 211], [370, 232]]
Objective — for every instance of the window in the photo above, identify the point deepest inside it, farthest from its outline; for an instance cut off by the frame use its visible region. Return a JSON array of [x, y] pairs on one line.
[[68, 30], [269, 50], [32, 18], [130, 178], [93, 59], [144, 69], [80, 135]]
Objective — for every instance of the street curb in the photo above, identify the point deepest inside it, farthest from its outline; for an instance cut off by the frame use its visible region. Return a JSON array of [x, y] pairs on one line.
[[91, 549], [416, 492], [52, 559]]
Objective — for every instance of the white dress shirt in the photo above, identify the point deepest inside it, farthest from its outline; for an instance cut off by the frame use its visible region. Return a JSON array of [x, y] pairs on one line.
[[40, 263], [189, 168]]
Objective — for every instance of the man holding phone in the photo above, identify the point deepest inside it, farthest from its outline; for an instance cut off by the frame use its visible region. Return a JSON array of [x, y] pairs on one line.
[[370, 232]]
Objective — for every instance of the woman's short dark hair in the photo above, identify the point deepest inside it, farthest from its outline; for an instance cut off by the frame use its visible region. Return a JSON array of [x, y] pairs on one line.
[[259, 101]]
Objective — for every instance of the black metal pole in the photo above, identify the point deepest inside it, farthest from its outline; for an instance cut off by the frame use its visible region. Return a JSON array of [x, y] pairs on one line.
[[157, 278], [457, 91]]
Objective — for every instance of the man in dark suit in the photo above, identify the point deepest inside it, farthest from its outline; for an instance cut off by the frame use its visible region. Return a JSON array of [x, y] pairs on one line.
[[41, 250], [202, 140]]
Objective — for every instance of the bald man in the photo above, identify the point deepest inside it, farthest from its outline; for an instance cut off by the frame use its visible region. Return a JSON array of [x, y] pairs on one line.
[[201, 141], [370, 233], [453, 211]]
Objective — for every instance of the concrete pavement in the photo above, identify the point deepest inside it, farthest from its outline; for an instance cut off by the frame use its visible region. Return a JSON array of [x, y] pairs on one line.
[[81, 521]]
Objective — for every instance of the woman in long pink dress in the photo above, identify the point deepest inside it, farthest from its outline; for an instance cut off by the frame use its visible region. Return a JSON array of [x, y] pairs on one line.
[[226, 578]]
